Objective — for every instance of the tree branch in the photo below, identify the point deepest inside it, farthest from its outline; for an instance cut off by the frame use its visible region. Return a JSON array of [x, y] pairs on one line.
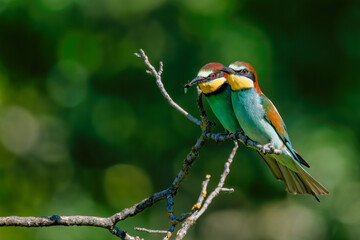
[[189, 217], [110, 222]]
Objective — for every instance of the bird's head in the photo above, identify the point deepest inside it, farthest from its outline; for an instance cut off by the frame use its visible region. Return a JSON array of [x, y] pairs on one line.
[[241, 76], [209, 78]]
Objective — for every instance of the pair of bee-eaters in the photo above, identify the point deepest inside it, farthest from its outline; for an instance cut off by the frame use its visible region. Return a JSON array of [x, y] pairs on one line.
[[236, 99]]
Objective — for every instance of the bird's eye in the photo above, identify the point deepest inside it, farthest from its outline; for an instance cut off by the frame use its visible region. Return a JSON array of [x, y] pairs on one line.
[[243, 71], [212, 75]]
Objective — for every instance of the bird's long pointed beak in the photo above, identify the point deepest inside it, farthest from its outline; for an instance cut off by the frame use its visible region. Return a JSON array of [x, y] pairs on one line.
[[226, 70], [195, 81]]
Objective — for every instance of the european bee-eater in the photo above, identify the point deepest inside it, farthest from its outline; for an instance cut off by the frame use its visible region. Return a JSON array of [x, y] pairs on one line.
[[213, 83], [262, 123]]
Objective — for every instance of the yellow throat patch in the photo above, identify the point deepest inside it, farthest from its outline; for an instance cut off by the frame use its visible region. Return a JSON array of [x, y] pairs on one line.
[[238, 83], [209, 87]]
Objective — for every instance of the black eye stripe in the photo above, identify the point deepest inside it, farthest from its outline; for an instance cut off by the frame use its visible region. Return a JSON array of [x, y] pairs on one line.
[[251, 76]]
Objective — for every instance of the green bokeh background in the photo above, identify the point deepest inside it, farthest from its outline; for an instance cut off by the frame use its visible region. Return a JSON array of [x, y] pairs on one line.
[[84, 130]]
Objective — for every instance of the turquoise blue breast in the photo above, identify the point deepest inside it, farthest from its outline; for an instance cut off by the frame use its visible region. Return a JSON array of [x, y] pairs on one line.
[[250, 113]]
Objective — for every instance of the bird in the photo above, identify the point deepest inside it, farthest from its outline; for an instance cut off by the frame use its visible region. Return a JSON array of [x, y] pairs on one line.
[[262, 123], [214, 85]]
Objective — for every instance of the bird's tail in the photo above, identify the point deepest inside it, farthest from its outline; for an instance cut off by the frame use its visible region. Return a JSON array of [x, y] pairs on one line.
[[296, 182]]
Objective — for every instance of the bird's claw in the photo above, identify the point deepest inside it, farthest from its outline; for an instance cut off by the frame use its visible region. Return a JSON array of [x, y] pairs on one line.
[[269, 147]]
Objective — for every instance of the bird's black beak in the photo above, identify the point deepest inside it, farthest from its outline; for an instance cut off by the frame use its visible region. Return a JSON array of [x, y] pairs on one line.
[[226, 70], [195, 81]]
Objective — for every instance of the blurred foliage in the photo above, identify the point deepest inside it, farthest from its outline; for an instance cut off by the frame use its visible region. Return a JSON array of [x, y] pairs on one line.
[[83, 129]]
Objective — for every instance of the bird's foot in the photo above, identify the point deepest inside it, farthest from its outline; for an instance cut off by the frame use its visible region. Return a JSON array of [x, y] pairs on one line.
[[268, 148]]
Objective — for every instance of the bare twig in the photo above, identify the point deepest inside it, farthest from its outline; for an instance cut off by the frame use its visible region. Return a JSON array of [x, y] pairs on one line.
[[175, 221], [157, 75], [150, 230], [203, 193], [186, 225], [56, 220], [229, 190]]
